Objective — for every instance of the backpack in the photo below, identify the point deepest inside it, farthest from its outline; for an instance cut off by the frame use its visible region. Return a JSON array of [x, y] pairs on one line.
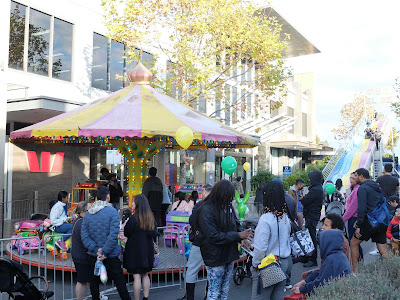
[[380, 215]]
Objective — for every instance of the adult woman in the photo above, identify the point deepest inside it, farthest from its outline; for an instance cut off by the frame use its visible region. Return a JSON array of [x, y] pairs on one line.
[[272, 236], [351, 211], [219, 233], [79, 252], [139, 249]]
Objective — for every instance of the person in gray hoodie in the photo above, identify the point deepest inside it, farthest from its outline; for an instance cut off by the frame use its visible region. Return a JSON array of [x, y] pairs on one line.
[[99, 235]]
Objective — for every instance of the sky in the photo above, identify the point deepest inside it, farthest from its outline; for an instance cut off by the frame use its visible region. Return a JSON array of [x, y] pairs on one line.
[[360, 49]]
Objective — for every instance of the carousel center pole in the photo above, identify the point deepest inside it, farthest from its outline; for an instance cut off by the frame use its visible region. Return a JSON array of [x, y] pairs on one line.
[[137, 154]]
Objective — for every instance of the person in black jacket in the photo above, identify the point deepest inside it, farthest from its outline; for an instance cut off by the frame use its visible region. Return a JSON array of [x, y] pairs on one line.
[[219, 235], [312, 205], [139, 249], [79, 253], [115, 191], [369, 195], [195, 260]]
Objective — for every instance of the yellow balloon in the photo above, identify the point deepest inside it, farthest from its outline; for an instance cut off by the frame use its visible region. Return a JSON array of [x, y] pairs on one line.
[[184, 137], [246, 166]]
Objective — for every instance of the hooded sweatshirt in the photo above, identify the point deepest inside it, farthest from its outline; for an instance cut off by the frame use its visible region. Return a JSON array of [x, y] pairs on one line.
[[100, 229], [312, 202], [369, 195], [334, 262]]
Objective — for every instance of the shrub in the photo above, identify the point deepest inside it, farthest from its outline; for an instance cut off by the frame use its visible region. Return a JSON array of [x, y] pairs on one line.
[[378, 280], [261, 176]]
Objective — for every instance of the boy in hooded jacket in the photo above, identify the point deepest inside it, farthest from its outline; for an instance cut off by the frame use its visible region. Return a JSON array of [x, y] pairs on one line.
[[99, 234], [334, 263], [312, 205]]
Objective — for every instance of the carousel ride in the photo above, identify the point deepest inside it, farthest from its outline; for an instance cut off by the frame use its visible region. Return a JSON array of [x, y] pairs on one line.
[[139, 122]]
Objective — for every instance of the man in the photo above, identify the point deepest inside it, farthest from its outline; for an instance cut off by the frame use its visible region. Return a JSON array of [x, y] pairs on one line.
[[195, 260], [388, 183], [153, 190], [99, 234], [167, 197], [115, 191], [312, 205], [239, 186], [104, 173], [378, 137], [295, 192], [369, 196]]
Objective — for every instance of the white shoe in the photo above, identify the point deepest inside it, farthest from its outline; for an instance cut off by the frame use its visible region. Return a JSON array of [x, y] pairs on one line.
[[103, 297], [374, 252]]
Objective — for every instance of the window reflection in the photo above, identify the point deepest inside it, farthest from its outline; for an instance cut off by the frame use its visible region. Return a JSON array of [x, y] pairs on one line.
[[62, 50], [38, 46], [17, 30], [100, 57], [117, 66]]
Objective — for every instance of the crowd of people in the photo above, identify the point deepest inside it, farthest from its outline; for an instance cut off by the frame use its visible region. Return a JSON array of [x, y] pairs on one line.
[[216, 232]]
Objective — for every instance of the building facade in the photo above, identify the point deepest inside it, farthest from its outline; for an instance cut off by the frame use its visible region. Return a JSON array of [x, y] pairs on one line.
[[55, 56]]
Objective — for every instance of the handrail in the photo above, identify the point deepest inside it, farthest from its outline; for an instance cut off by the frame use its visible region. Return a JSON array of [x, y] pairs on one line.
[[334, 159]]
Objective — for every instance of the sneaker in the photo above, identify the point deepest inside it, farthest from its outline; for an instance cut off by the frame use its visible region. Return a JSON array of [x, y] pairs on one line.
[[103, 297], [60, 243], [288, 286], [374, 252]]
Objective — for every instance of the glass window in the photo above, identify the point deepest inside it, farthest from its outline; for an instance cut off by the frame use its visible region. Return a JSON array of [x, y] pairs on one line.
[[39, 39], [242, 104], [100, 57], [202, 104], [227, 104], [17, 33], [304, 124], [248, 105], [147, 59], [290, 113], [62, 50], [218, 100], [235, 106], [117, 66]]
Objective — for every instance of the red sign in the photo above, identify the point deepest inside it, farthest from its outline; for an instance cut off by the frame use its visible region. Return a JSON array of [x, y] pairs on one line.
[[45, 162]]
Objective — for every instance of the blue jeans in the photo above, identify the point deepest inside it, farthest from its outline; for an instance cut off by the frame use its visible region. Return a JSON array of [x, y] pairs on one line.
[[116, 205], [351, 230], [65, 228], [218, 281]]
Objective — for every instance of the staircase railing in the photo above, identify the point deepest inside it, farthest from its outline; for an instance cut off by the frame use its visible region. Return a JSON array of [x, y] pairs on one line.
[[335, 158]]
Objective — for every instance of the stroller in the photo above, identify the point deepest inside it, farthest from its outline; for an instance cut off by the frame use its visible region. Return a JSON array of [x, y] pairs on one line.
[[244, 271], [18, 285], [335, 207]]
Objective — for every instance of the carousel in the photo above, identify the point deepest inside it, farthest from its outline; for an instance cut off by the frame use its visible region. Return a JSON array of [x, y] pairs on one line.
[[139, 122]]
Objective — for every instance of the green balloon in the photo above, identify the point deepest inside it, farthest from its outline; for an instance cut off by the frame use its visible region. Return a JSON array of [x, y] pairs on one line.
[[329, 188], [229, 165]]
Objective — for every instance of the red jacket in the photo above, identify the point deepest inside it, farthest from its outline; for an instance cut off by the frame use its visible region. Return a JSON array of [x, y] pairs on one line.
[[393, 229]]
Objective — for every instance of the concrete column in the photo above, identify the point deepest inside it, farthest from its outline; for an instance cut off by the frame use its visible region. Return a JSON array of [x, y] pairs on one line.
[[210, 166], [159, 164], [4, 38]]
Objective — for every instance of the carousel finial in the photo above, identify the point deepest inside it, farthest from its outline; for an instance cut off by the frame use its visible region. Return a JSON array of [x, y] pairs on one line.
[[140, 74]]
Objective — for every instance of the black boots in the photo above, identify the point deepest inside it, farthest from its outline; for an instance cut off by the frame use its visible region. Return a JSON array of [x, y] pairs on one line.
[[189, 292]]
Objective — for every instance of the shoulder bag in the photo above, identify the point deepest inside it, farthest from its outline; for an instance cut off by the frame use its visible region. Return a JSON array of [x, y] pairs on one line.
[[301, 243], [272, 274]]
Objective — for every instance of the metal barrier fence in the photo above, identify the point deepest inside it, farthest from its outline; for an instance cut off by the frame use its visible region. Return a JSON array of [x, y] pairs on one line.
[[36, 259]]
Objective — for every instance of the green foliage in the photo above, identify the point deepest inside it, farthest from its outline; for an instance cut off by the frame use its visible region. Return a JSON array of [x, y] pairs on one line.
[[378, 280], [261, 176], [291, 179]]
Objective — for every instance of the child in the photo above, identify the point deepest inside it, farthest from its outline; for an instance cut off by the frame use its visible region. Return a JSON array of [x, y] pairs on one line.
[[183, 204], [139, 250], [392, 232], [60, 220], [334, 263], [126, 213]]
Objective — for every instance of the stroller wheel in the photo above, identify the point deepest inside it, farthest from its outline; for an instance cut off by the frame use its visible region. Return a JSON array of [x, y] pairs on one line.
[[238, 275]]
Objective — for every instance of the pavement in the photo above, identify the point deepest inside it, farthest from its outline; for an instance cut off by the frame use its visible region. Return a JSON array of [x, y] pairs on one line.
[[242, 291]]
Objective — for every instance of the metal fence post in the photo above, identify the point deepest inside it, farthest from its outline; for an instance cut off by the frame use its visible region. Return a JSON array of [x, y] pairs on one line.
[[3, 207], [35, 205]]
